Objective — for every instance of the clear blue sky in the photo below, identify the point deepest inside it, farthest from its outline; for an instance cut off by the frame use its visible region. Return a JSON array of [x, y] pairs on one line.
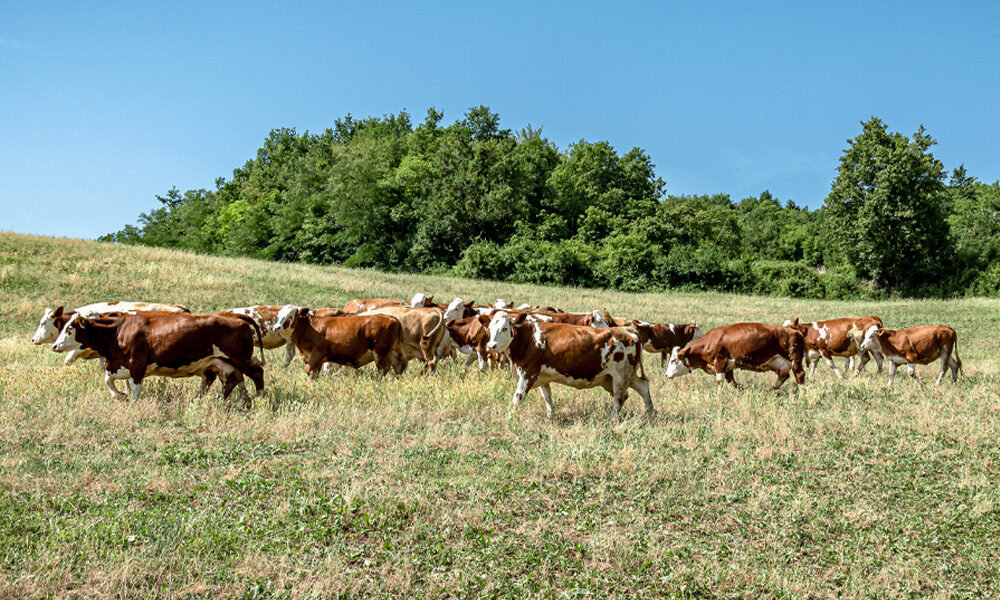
[[103, 105]]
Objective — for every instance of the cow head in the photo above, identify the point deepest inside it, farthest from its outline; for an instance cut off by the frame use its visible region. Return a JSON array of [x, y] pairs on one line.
[[286, 317], [696, 331], [459, 309], [501, 330], [871, 341], [596, 320], [48, 327], [677, 365], [501, 304], [68, 337]]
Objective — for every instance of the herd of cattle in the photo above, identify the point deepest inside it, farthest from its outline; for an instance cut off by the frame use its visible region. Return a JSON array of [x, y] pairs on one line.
[[541, 344]]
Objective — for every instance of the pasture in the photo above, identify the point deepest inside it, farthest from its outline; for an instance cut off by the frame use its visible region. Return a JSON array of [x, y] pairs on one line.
[[424, 486]]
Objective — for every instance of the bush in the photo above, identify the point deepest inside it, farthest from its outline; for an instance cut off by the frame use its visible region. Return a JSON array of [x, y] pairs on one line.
[[785, 278], [987, 283]]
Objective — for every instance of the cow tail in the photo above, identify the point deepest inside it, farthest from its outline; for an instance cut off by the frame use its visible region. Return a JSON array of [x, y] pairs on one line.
[[260, 336], [954, 351], [436, 327]]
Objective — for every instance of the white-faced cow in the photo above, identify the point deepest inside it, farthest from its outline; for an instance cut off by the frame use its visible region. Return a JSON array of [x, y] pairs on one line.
[[351, 340], [265, 317], [915, 346], [833, 337], [53, 321], [749, 346], [134, 346], [469, 336], [580, 357]]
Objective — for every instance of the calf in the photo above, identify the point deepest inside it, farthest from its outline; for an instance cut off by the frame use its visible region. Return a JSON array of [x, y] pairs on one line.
[[835, 337], [749, 346], [53, 321], [138, 345], [469, 337], [580, 357], [915, 346], [352, 340]]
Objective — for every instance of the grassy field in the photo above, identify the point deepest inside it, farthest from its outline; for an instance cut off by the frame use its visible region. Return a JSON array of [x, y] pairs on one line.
[[424, 487]]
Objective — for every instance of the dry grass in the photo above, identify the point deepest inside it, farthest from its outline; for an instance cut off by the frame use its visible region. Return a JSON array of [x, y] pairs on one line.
[[424, 486]]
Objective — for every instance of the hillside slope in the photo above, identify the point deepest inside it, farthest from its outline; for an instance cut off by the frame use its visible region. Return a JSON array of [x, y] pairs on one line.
[[425, 486]]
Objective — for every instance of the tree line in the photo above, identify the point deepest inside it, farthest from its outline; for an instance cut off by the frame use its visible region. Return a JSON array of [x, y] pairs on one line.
[[476, 200]]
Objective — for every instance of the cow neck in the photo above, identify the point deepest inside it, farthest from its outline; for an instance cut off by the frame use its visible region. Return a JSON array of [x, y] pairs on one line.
[[106, 336], [299, 328], [522, 341], [883, 339]]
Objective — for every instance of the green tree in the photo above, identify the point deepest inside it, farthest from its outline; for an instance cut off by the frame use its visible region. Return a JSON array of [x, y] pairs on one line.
[[886, 209]]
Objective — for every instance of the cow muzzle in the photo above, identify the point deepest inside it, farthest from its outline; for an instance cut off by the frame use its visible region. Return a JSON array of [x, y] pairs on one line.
[[491, 346]]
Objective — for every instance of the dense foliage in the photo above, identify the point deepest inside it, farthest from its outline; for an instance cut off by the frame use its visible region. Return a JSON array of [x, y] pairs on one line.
[[485, 202]]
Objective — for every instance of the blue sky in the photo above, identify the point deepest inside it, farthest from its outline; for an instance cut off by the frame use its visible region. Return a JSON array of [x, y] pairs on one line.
[[104, 105]]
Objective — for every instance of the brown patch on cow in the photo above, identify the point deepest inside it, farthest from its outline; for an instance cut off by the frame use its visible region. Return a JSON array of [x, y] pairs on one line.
[[618, 356]]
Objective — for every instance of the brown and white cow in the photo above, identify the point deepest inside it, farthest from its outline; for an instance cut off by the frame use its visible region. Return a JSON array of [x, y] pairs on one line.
[[423, 332], [667, 336], [351, 340], [749, 346], [536, 308], [580, 357], [589, 319], [53, 321], [134, 346], [915, 346], [833, 337], [469, 336]]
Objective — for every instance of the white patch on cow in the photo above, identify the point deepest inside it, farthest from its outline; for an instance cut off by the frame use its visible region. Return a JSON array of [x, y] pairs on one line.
[[597, 320], [419, 299], [672, 329], [536, 334], [455, 310], [67, 338], [286, 318], [787, 323], [675, 366], [47, 330], [523, 307], [501, 304], [823, 332]]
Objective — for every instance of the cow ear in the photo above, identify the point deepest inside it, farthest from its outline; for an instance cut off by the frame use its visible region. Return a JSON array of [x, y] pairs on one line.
[[795, 322], [58, 312], [520, 318], [470, 304], [428, 300], [303, 312], [483, 319]]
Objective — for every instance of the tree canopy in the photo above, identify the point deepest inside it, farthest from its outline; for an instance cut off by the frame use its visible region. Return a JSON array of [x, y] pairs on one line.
[[478, 200]]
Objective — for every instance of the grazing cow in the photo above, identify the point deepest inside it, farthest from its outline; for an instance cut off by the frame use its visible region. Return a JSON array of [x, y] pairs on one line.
[[580, 357], [667, 336], [137, 345], [915, 346], [750, 346], [423, 332], [353, 340], [837, 337], [53, 321]]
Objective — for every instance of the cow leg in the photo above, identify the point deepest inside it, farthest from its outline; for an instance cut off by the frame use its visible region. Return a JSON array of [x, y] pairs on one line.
[[109, 380], [813, 362], [524, 383], [642, 386], [135, 387], [731, 378], [945, 360], [328, 367], [719, 365], [314, 365], [892, 372], [620, 393], [289, 353], [663, 359], [256, 375], [207, 379], [547, 396], [782, 368], [911, 370]]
